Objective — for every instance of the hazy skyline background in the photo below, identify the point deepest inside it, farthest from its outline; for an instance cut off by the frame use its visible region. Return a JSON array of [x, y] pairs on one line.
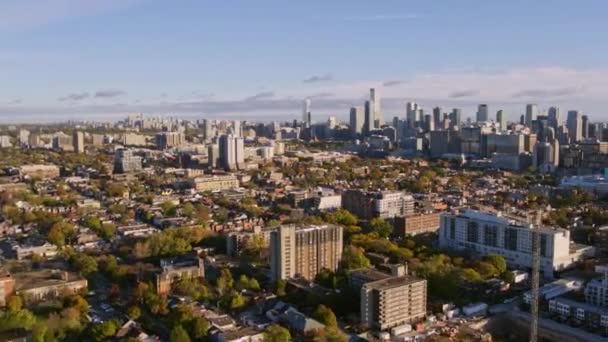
[[98, 59]]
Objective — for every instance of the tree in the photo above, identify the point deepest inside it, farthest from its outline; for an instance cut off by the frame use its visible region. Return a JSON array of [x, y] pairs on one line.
[[508, 277], [236, 302], [92, 222], [134, 312], [188, 209], [276, 333], [104, 330], [486, 269], [324, 315], [84, 263], [199, 327], [353, 257], [381, 227], [225, 281], [116, 190], [344, 217], [179, 334], [280, 287], [254, 285], [243, 282], [498, 261], [169, 209], [56, 237], [78, 303], [471, 275], [14, 304]]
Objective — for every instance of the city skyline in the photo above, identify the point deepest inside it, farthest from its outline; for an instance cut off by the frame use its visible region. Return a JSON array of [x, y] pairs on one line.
[[68, 59]]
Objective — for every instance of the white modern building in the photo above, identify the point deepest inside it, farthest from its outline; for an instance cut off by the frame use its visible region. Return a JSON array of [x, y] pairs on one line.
[[486, 233], [596, 184]]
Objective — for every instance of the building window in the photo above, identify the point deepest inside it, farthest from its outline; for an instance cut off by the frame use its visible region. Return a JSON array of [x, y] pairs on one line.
[[472, 232], [490, 236], [511, 239], [452, 228]]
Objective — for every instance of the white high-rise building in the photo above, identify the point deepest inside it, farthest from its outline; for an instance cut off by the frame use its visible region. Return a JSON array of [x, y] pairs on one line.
[[411, 109], [237, 128], [501, 120], [239, 151], [306, 115], [484, 233], [531, 114], [575, 125], [374, 98], [482, 113], [357, 119]]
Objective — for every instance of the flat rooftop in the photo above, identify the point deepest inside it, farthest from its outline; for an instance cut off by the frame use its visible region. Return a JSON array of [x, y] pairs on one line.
[[42, 278], [392, 282]]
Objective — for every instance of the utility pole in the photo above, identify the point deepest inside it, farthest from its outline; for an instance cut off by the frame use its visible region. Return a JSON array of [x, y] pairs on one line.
[[535, 275]]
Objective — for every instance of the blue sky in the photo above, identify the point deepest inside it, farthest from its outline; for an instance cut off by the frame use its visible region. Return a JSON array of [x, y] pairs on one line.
[[252, 59]]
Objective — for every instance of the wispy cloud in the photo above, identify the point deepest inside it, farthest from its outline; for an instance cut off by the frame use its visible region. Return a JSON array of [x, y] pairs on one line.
[[392, 83], [547, 93], [463, 93], [386, 17], [109, 93], [321, 95], [260, 96], [319, 78], [74, 97], [18, 15], [14, 102]]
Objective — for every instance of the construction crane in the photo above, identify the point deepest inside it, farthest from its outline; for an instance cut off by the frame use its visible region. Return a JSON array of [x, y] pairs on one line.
[[535, 275]]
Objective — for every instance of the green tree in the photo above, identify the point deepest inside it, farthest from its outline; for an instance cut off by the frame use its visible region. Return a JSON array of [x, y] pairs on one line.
[[225, 282], [199, 328], [92, 222], [276, 333], [353, 257], [344, 217], [508, 277], [471, 275], [100, 332], [14, 304], [134, 312], [279, 287], [324, 315], [236, 302], [254, 285], [381, 227], [188, 209], [168, 208], [498, 261], [179, 334], [85, 264], [243, 283]]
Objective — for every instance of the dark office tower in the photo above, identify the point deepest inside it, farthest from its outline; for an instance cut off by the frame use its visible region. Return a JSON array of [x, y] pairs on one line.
[[522, 119], [455, 117], [437, 117], [554, 117], [368, 125], [482, 113], [429, 123], [585, 129]]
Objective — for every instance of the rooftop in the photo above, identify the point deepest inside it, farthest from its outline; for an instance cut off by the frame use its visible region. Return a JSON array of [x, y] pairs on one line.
[[393, 282], [42, 278]]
